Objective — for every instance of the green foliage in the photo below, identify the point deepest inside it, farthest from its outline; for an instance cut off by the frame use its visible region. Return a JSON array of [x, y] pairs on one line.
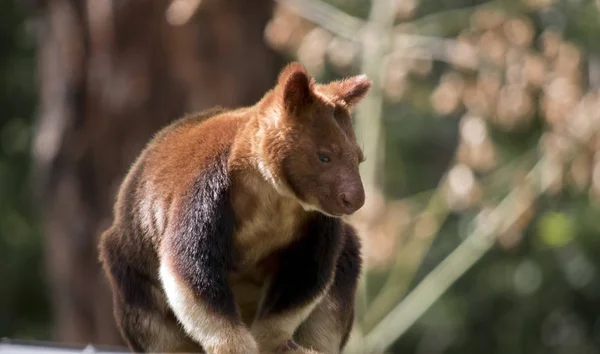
[[556, 229], [24, 309]]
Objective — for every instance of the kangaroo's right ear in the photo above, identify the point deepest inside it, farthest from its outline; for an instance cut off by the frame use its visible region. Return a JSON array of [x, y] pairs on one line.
[[351, 90], [295, 87]]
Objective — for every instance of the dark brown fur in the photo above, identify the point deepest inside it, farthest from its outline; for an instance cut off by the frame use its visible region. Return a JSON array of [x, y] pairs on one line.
[[226, 235]]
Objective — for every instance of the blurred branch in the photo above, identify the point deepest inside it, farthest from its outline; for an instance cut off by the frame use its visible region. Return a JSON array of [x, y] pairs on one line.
[[328, 17], [451, 22], [430, 43], [503, 177], [409, 258], [457, 263], [376, 45], [428, 47], [351, 28], [419, 200], [369, 113]]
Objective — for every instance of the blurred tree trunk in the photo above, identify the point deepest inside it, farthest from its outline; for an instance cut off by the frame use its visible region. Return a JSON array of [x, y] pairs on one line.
[[112, 73]]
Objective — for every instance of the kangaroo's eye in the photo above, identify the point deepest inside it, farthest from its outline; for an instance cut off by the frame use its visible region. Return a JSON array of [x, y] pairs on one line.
[[324, 158]]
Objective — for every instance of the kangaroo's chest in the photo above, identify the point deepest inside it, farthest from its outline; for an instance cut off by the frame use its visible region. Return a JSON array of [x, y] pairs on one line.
[[266, 221], [249, 286], [258, 246], [266, 224]]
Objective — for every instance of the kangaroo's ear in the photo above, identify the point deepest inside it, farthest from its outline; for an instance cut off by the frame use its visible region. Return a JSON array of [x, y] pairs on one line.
[[351, 90], [295, 87]]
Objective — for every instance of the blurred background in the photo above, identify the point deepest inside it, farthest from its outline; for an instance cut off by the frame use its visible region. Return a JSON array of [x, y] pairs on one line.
[[481, 228]]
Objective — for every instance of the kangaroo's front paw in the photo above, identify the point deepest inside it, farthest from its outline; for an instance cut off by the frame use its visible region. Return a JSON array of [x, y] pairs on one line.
[[288, 346], [302, 351], [291, 347]]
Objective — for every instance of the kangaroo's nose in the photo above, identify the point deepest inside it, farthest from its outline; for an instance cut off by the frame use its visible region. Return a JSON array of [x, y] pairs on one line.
[[352, 199]]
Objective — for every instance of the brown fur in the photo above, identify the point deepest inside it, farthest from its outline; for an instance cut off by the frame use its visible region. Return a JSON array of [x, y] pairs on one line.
[[276, 182]]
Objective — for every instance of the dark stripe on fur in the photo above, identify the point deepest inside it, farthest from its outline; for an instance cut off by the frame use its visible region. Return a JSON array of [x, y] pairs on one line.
[[348, 268], [134, 287], [346, 279], [202, 249], [306, 266]]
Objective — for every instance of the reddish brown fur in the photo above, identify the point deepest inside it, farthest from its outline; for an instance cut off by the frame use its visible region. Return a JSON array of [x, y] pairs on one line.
[[304, 128], [276, 176]]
